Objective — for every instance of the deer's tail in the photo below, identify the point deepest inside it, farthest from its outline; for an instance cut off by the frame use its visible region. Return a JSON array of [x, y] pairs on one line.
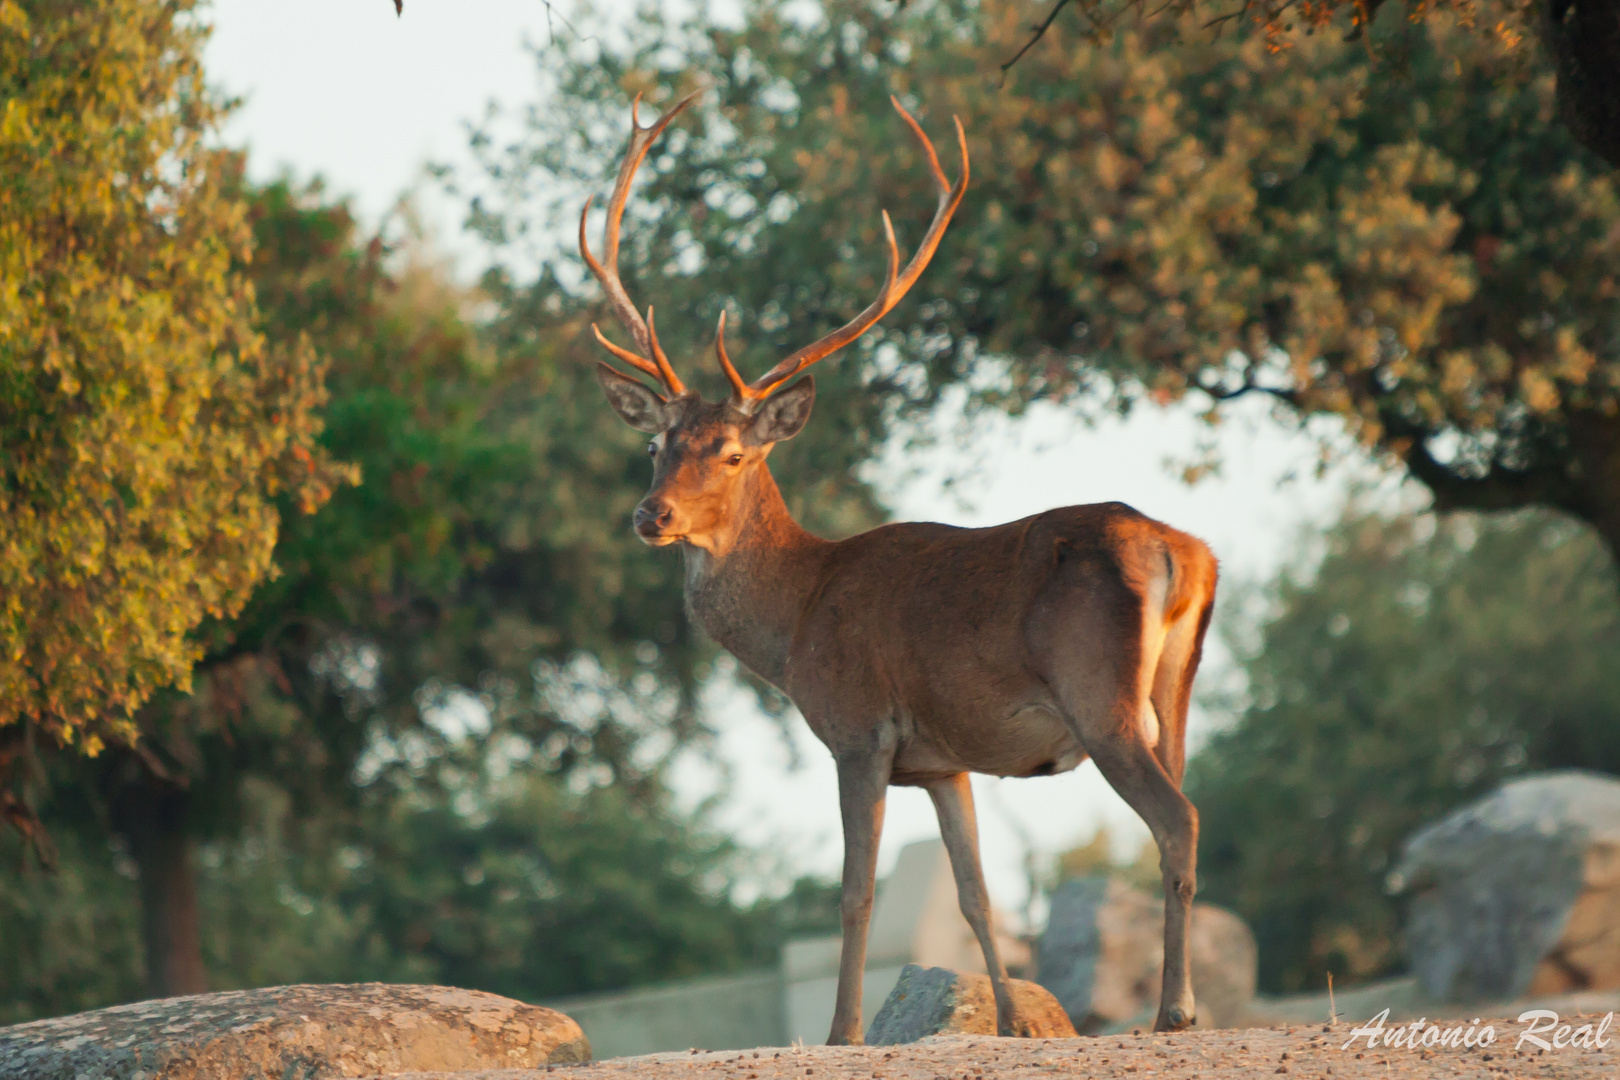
[[1189, 603]]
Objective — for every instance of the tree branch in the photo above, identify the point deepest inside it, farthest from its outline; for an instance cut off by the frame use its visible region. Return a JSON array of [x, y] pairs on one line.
[[1249, 385], [1040, 32], [16, 754], [1500, 488]]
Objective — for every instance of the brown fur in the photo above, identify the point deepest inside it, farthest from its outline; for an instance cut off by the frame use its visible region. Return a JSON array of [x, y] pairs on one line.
[[919, 653]]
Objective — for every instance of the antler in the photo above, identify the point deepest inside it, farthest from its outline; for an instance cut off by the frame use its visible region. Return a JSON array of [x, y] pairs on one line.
[[748, 396], [643, 331]]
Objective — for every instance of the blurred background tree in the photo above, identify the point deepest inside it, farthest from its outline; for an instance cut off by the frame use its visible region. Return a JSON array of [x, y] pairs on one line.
[[1581, 40], [1419, 664], [433, 747], [483, 870]]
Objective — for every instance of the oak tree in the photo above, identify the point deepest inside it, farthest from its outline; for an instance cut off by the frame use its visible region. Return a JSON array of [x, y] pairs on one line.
[[146, 427]]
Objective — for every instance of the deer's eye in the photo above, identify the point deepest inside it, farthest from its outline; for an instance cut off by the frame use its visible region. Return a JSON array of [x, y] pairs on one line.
[[652, 449], [734, 459]]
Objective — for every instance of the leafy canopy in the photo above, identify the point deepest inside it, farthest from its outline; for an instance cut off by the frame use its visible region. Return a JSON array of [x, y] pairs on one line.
[[1403, 244], [145, 426]]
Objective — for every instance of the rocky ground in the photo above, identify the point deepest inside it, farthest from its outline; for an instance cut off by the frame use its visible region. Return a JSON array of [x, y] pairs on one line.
[[1293, 1052]]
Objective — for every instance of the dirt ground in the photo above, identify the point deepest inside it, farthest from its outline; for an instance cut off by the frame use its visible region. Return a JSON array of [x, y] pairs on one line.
[[1295, 1052]]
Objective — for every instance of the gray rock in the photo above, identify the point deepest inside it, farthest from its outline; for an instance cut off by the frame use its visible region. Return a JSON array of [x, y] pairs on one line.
[[1518, 893], [1225, 967], [938, 1001], [293, 1033], [1102, 956]]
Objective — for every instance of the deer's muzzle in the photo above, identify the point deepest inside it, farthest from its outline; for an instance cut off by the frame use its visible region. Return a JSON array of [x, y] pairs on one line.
[[652, 517]]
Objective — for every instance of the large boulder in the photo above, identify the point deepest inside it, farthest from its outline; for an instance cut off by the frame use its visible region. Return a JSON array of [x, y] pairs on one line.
[[308, 1032], [938, 1001], [1102, 956], [1518, 893]]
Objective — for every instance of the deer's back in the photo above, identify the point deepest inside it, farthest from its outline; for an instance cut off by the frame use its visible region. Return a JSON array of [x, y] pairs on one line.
[[935, 581], [937, 626]]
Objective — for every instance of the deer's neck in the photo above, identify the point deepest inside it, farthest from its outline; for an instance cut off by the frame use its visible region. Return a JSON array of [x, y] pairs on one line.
[[749, 596]]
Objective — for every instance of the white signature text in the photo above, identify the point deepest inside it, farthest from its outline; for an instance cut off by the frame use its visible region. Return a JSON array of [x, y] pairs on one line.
[[1542, 1030]]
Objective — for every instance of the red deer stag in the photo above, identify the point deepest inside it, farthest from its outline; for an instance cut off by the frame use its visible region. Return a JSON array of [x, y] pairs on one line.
[[919, 653]]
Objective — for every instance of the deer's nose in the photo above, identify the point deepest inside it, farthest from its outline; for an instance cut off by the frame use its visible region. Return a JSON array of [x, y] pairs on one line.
[[653, 516]]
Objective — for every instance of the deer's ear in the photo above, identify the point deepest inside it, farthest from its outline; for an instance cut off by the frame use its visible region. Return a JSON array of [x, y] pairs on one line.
[[784, 413], [636, 405]]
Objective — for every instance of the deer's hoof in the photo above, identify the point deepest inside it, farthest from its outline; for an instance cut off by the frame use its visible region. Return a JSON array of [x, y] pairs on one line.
[[1177, 1019]]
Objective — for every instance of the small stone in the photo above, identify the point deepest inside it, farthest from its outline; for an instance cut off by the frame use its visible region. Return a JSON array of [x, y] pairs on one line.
[[939, 1001]]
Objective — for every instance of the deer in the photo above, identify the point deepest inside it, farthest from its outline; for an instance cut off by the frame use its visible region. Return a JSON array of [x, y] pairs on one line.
[[920, 653]]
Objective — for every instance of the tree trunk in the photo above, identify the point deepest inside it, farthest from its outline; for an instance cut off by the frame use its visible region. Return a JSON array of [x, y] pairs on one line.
[[153, 818], [1608, 530], [1595, 440], [1583, 39]]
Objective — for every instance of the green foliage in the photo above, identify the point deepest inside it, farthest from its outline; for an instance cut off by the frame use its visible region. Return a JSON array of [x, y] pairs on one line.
[[1096, 856], [487, 538], [431, 748], [535, 892], [486, 874], [1417, 667], [145, 425], [496, 504], [1416, 251], [71, 937]]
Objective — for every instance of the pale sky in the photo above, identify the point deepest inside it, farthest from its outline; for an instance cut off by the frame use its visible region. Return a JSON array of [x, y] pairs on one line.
[[344, 89]]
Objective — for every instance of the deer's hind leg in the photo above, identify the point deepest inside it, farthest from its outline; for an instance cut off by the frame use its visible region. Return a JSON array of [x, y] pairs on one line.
[[1091, 642], [1135, 772], [959, 828]]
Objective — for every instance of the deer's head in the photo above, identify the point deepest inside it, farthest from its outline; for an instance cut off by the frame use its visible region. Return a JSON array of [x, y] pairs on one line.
[[707, 455]]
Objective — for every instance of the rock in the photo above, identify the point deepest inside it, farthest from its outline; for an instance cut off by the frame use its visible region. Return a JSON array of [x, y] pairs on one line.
[[1102, 951], [938, 1001], [1225, 967], [1102, 956], [1518, 893], [308, 1032]]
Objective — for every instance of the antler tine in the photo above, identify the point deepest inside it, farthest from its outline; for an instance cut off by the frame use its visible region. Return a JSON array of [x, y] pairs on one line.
[[739, 389], [607, 271], [666, 372], [898, 283], [746, 396], [639, 363], [641, 140]]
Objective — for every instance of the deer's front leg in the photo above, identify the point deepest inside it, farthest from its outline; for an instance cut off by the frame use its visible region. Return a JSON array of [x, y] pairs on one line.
[[863, 779]]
